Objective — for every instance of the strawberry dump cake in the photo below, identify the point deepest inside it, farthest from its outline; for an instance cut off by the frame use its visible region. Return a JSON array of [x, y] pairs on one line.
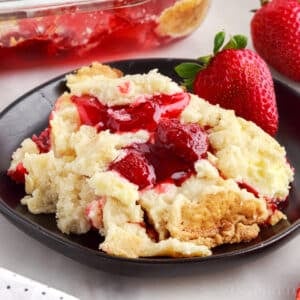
[[156, 170]]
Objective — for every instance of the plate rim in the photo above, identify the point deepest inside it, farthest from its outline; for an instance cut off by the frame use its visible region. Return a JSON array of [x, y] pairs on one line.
[[18, 219]]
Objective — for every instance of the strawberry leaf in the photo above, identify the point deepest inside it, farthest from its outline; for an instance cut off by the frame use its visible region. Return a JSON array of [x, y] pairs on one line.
[[188, 70], [241, 41], [189, 83], [219, 40], [205, 60], [236, 42], [230, 45]]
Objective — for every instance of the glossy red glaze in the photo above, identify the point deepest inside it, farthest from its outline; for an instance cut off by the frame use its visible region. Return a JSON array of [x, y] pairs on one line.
[[188, 141], [272, 206], [91, 111], [168, 167], [249, 188], [144, 114], [135, 167], [162, 160], [43, 140], [170, 156], [18, 175]]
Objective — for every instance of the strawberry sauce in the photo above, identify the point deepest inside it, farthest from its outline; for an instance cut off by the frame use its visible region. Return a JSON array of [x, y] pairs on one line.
[[248, 188], [144, 114], [18, 175], [148, 164], [43, 140], [44, 145], [71, 36], [173, 148]]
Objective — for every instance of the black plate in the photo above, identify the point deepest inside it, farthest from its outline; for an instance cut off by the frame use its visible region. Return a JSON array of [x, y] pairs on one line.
[[29, 114]]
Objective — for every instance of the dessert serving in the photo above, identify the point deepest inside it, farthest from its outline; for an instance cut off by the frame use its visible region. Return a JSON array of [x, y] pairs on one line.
[[157, 171]]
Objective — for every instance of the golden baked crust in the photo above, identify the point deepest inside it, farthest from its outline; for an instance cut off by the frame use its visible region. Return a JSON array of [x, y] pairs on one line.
[[94, 69], [216, 219], [131, 241], [182, 18]]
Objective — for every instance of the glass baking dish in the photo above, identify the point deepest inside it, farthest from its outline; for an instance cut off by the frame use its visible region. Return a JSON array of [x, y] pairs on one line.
[[32, 32]]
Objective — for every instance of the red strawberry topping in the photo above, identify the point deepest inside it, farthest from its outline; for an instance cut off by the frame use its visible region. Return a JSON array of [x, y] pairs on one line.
[[169, 157], [18, 175], [144, 114], [91, 111], [140, 116], [188, 141], [43, 140], [136, 169]]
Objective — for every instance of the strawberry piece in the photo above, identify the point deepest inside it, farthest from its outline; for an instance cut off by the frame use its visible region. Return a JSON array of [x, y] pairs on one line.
[[91, 111], [43, 140], [298, 294], [18, 175], [135, 167], [235, 78], [276, 35], [168, 167], [188, 141], [134, 117]]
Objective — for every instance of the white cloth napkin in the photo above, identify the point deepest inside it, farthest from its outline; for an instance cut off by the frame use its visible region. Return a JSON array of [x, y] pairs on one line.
[[17, 287]]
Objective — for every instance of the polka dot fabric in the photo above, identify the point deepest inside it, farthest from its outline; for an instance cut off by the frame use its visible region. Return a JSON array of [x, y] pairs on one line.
[[16, 287]]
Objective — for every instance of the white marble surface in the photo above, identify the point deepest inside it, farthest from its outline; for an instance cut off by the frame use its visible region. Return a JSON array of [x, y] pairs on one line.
[[271, 275]]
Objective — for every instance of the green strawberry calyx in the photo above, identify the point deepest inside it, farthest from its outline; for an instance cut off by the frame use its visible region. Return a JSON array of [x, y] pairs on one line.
[[189, 70]]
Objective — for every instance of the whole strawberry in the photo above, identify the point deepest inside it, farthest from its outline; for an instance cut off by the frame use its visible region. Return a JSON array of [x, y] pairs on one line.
[[235, 78], [275, 30], [298, 294]]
